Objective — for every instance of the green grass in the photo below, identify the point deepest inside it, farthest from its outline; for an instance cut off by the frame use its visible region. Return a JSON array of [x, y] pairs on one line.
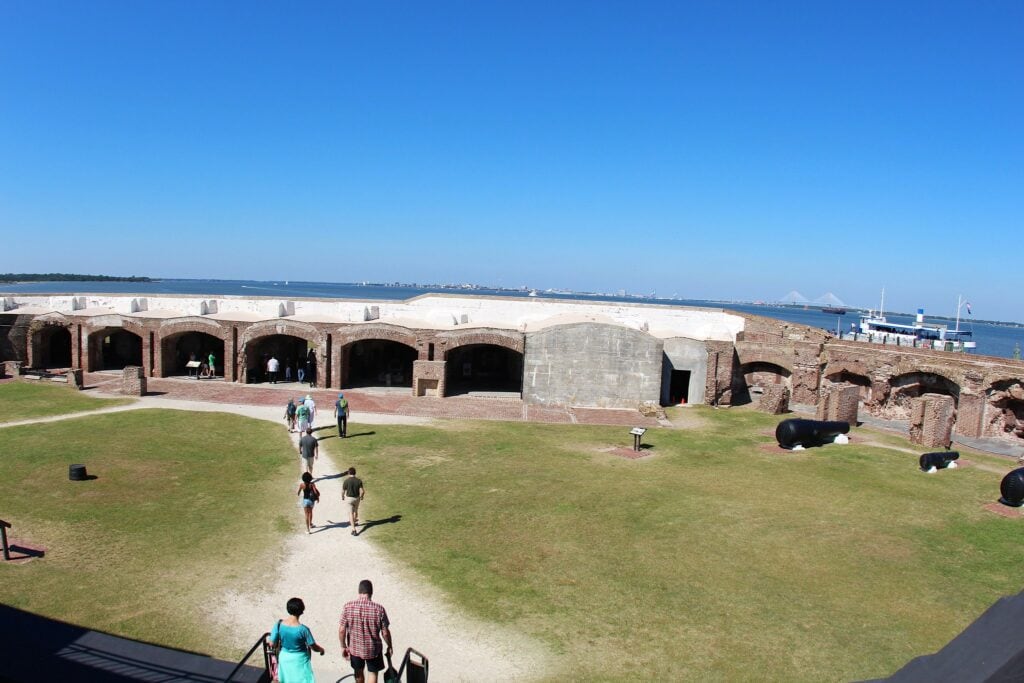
[[713, 559], [27, 400], [185, 506]]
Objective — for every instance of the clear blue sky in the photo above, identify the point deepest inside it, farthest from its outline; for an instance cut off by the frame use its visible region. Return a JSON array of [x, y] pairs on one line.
[[713, 150]]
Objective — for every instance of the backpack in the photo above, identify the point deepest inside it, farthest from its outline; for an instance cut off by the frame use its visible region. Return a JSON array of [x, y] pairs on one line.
[[291, 409]]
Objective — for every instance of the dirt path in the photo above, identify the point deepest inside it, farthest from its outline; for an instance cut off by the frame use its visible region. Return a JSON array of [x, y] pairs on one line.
[[324, 569]]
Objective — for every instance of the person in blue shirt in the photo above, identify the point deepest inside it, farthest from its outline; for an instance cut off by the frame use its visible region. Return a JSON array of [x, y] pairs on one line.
[[297, 643]]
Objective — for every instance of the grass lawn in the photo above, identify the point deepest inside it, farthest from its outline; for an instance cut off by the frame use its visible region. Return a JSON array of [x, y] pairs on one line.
[[712, 559], [25, 400], [185, 506]]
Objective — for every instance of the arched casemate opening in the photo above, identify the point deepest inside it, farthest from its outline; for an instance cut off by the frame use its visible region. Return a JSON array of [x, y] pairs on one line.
[[289, 350], [51, 347], [377, 363], [114, 348], [178, 349], [483, 368]]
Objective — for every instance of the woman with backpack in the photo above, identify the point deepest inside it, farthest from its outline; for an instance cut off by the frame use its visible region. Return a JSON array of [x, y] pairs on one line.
[[310, 495], [289, 415]]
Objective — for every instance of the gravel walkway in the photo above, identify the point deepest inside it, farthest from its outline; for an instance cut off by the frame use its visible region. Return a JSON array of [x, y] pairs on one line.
[[324, 569]]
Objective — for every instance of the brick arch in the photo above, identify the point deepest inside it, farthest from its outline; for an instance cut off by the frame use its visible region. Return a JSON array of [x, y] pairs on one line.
[[169, 328], [291, 328], [751, 356], [39, 332], [175, 327], [353, 333], [449, 341], [102, 325]]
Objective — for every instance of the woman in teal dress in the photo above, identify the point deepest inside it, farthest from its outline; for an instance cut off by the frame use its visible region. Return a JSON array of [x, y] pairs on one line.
[[293, 665]]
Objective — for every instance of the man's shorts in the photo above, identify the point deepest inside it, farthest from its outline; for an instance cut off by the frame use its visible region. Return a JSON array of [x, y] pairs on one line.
[[353, 504], [372, 665]]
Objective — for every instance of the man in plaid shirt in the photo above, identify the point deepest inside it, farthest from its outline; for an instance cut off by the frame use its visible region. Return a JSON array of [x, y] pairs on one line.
[[362, 625]]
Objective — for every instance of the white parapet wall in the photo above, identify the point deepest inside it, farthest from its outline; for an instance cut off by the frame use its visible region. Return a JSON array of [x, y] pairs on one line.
[[429, 311]]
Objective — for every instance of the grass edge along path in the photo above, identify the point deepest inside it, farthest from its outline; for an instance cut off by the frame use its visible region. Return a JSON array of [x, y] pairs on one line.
[[185, 505], [719, 556], [27, 400]]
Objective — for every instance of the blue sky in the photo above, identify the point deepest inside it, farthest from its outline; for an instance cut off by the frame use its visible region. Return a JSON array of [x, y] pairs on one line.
[[710, 150]]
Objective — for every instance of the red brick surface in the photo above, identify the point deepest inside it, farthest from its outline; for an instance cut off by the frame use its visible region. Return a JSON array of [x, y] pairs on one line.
[[389, 403]]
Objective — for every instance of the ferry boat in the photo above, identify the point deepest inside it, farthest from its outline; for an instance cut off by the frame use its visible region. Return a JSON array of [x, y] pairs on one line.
[[874, 327]]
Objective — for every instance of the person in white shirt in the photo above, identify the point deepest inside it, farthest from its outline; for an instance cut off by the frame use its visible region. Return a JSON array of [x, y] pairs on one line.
[[311, 404], [273, 365]]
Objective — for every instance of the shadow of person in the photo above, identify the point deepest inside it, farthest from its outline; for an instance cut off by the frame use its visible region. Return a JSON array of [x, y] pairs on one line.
[[352, 436], [393, 519]]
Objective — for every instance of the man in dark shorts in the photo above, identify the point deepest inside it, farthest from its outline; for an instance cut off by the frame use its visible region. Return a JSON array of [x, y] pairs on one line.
[[362, 625], [352, 493], [308, 451]]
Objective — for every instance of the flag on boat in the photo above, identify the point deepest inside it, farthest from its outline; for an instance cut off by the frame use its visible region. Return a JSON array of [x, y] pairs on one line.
[[969, 308]]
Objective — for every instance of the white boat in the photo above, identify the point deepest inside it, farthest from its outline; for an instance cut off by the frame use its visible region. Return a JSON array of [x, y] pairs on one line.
[[875, 328]]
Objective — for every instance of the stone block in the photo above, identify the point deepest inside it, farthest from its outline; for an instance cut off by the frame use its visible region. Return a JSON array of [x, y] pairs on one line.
[[774, 400], [11, 368], [133, 381], [76, 378], [428, 378], [931, 420], [970, 415]]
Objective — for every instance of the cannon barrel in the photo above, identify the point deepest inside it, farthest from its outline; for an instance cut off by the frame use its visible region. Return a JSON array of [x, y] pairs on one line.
[[1012, 488], [795, 432], [938, 460]]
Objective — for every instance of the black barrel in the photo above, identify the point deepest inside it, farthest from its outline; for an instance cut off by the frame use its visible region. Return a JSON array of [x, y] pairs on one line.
[[937, 460], [796, 432], [1012, 488], [77, 473]]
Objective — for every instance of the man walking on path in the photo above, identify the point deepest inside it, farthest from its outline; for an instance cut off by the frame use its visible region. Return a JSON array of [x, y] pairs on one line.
[[308, 450], [341, 412], [362, 625], [352, 493], [212, 362], [273, 365]]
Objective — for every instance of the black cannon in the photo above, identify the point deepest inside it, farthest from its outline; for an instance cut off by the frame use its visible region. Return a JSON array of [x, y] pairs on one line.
[[1012, 488], [791, 433], [939, 461]]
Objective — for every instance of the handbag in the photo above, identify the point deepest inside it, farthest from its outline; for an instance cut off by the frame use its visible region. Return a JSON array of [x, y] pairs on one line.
[[390, 675], [275, 651]]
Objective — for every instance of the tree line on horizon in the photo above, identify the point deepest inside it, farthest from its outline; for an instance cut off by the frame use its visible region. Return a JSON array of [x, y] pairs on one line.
[[68, 277]]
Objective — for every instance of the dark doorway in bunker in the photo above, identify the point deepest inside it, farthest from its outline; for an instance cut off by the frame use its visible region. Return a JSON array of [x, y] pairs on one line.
[[378, 363], [52, 348], [679, 387], [118, 349], [483, 368], [179, 349], [288, 350]]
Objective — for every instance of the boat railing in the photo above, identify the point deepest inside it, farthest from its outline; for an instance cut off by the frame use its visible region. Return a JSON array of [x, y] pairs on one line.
[[898, 340]]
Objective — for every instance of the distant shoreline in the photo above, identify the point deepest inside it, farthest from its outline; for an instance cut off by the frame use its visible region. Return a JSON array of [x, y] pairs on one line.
[[29, 278]]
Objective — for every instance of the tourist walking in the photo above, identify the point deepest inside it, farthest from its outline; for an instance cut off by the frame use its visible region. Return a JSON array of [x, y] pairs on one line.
[[352, 493], [310, 496], [302, 415], [341, 413], [296, 642], [300, 371], [273, 366], [363, 625], [289, 415], [311, 404], [308, 451], [288, 370]]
